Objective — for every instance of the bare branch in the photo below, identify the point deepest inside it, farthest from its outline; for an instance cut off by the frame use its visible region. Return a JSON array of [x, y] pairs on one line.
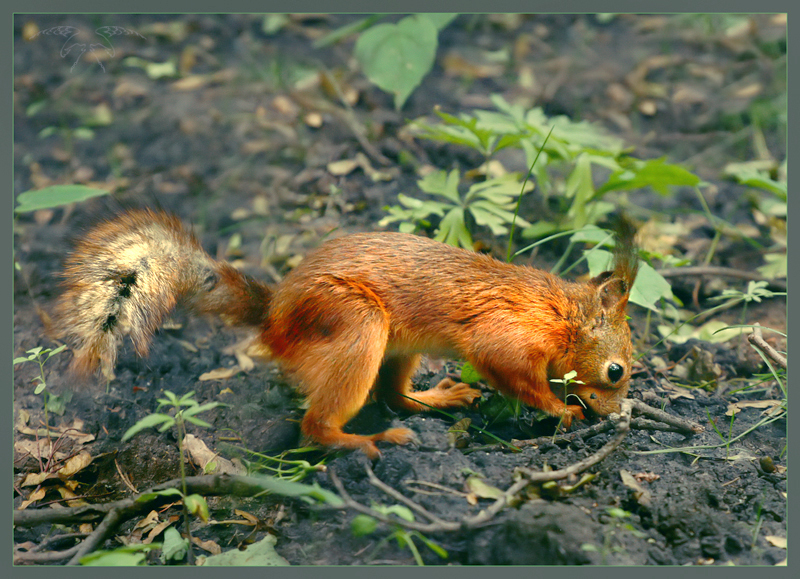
[[757, 340]]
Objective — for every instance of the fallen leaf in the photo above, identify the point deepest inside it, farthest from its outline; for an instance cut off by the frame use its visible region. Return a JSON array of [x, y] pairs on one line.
[[219, 374], [735, 407], [641, 494], [208, 545], [74, 465], [776, 541], [482, 489], [646, 476], [208, 460], [37, 495]]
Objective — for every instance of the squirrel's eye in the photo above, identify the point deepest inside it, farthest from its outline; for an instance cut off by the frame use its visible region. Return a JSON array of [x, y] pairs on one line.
[[615, 372]]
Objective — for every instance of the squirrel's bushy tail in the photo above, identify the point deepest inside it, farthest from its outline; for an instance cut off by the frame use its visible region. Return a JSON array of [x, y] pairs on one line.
[[125, 276]]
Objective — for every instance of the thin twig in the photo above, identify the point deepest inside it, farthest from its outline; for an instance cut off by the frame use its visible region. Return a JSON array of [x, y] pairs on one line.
[[685, 426], [22, 557], [718, 272], [379, 484], [757, 339]]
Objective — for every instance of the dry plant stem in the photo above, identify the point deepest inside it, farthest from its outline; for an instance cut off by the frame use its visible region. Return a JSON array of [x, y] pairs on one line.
[[21, 557], [757, 339], [685, 426], [622, 424], [379, 484]]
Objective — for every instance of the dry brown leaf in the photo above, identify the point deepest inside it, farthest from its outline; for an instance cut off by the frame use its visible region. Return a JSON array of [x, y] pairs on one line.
[[148, 522], [735, 407], [36, 495], [38, 449], [646, 476], [75, 465], [208, 545], [455, 64], [641, 494], [33, 479], [191, 82], [159, 528], [342, 167], [208, 460], [69, 494], [219, 374], [251, 518], [481, 489], [313, 120], [776, 541]]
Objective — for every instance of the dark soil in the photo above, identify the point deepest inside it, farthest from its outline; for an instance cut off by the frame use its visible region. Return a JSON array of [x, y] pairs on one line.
[[235, 156]]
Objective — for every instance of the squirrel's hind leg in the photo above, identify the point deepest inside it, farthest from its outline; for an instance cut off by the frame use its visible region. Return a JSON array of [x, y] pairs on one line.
[[337, 375]]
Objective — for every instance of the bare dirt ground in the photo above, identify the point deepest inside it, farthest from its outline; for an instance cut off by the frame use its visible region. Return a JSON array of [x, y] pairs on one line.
[[239, 144]]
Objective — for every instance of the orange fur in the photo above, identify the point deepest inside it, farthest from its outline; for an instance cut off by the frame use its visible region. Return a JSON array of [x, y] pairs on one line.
[[356, 314]]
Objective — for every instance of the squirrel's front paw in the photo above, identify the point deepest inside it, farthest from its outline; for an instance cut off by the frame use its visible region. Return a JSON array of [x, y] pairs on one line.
[[572, 411]]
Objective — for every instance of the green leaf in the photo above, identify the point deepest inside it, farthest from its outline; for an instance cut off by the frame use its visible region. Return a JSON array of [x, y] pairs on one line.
[[469, 375], [580, 187], [763, 182], [127, 556], [149, 421], [363, 525], [398, 510], [40, 387], [649, 287], [197, 421], [21, 360], [347, 30], [175, 547], [438, 20], [296, 489], [777, 266], [439, 550], [260, 554], [442, 183], [55, 196], [655, 173], [201, 408], [453, 230], [147, 497], [396, 57], [488, 219], [56, 351], [197, 506]]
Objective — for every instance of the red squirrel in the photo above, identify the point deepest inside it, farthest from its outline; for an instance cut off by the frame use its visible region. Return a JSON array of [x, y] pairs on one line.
[[355, 316]]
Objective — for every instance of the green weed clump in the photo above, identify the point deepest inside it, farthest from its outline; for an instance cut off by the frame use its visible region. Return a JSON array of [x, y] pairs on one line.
[[580, 164]]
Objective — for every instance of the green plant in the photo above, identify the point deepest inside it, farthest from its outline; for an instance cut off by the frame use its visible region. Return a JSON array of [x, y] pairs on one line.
[[730, 432], [281, 467], [490, 203], [566, 381], [364, 525], [55, 196], [41, 355], [186, 409], [394, 57], [571, 157]]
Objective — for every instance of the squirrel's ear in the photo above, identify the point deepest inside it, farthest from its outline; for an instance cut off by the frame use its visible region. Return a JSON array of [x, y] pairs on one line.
[[613, 293], [599, 280]]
